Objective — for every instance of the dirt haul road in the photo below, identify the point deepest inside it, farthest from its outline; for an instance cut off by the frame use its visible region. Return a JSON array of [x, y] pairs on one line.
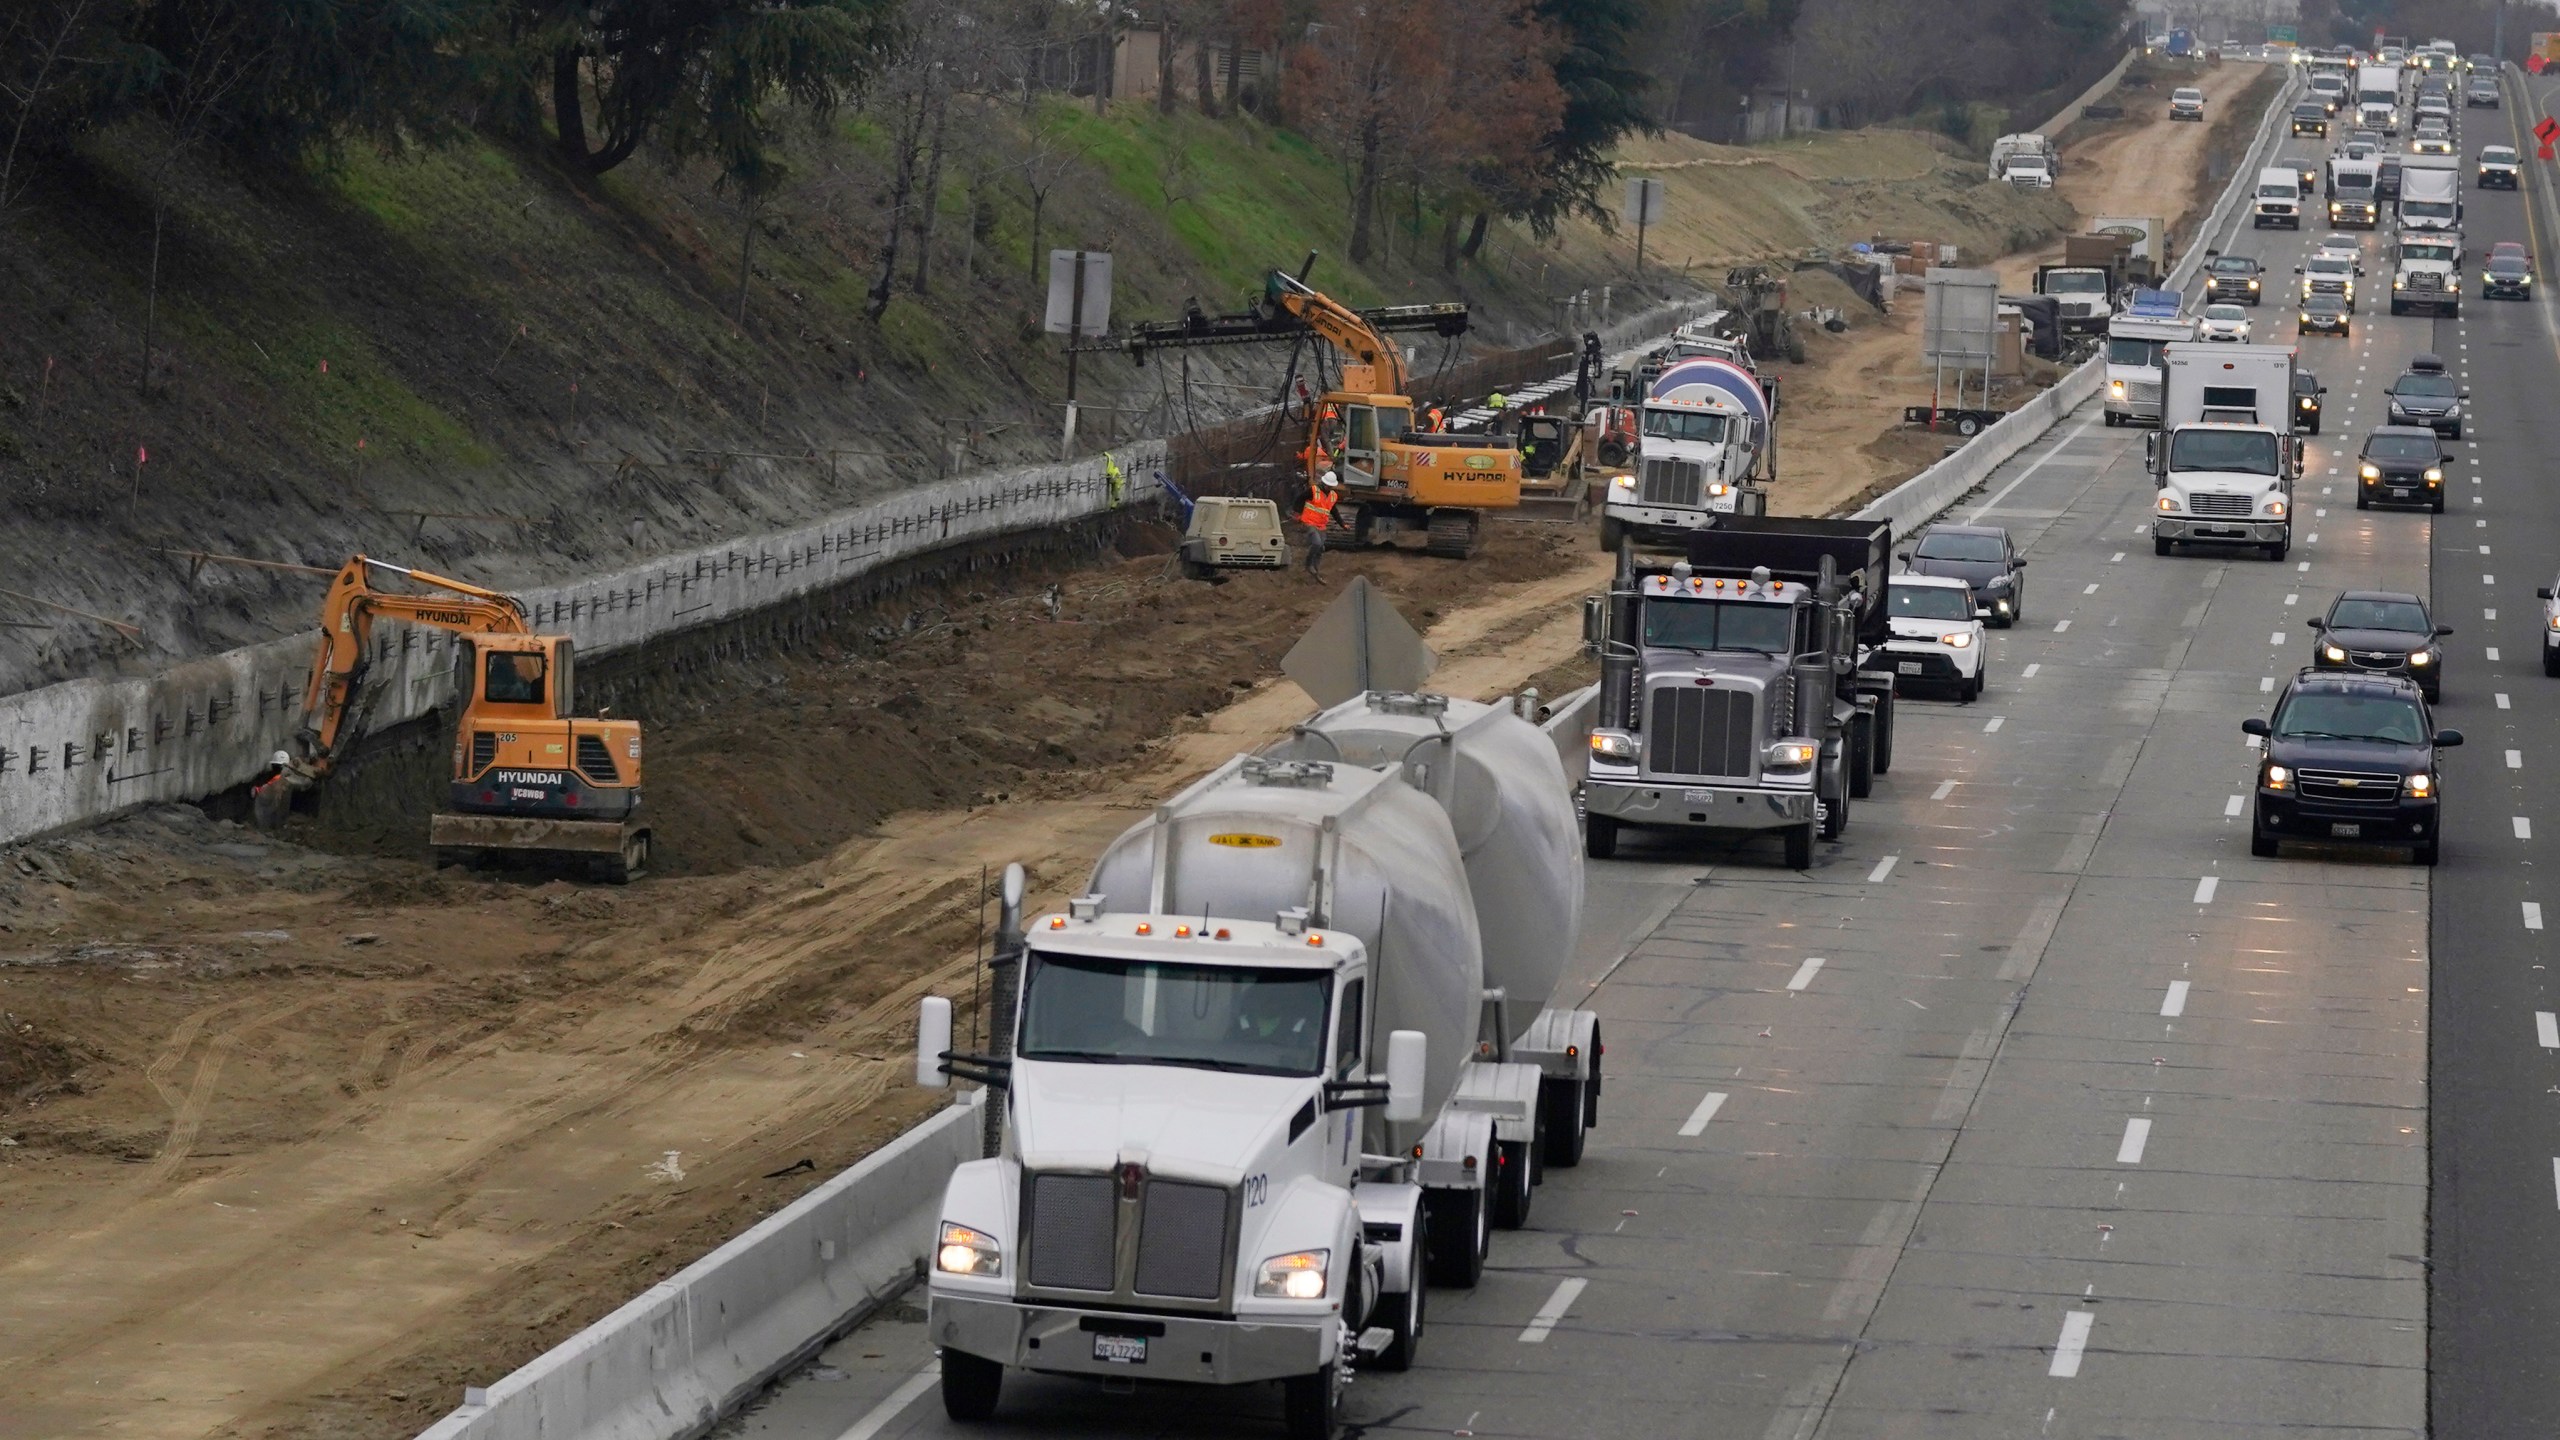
[[304, 1143]]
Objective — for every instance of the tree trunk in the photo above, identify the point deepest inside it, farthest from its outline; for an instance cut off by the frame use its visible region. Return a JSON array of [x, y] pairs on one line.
[[932, 204], [1164, 63], [902, 189], [1039, 202], [568, 108], [1475, 236], [1203, 85], [1364, 194], [1448, 242], [1235, 69], [746, 259], [151, 296]]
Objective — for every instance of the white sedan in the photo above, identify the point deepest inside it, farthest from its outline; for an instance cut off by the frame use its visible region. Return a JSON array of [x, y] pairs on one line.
[[2226, 322], [2550, 630], [1937, 634]]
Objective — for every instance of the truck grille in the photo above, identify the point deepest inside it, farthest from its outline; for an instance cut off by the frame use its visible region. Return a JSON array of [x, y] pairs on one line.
[[2142, 392], [484, 750], [596, 762], [1673, 482], [1182, 1241], [2222, 507], [2328, 287], [2373, 787], [1695, 730], [1071, 1231]]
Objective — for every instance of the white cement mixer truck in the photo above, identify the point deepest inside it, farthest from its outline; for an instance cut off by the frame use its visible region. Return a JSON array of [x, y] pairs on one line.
[[1286, 1062]]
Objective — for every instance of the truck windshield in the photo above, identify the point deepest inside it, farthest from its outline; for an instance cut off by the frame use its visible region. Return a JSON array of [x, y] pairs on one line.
[[2349, 183], [2427, 209], [2076, 282], [2280, 189], [1719, 625], [2142, 353], [2442, 254], [2249, 452], [1930, 602], [1683, 425], [1109, 1011], [2351, 717]]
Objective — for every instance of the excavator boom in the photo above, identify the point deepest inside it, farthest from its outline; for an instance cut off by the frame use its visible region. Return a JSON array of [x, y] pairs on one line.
[[331, 701]]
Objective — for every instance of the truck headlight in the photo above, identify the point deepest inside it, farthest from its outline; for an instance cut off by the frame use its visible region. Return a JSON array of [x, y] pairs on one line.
[[964, 1251], [2399, 282], [1615, 747], [2333, 654], [2253, 284], [1961, 640], [2435, 477], [2422, 657], [1718, 488], [1622, 482], [2278, 778], [2276, 508], [2115, 389], [1299, 1275], [1792, 754], [2168, 503], [2369, 472], [2422, 786]]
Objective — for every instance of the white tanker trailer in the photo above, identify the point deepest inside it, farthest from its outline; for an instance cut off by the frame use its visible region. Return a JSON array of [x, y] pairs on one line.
[[1286, 1060]]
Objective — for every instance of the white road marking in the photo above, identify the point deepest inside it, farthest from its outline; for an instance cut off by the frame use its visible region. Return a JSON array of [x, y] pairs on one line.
[[1883, 868], [2116, 558], [2205, 888], [2231, 808], [2292, 599], [2515, 759], [2076, 1323], [2546, 1028], [2493, 651], [2491, 613], [908, 1392], [2089, 589], [2252, 741], [2030, 672], [2060, 626], [2488, 579], [2524, 827], [2555, 1174], [1992, 725], [2532, 915], [2480, 524], [2502, 701], [2276, 638], [2312, 539], [1805, 973], [2137, 1133], [1553, 1311], [1696, 1124], [1945, 789], [2304, 567], [2484, 549], [2266, 684], [2175, 1004], [2041, 461]]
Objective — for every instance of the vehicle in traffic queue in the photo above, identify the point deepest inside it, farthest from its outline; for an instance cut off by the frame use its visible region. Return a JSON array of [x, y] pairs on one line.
[[2434, 107], [1937, 636], [2498, 167], [2328, 90], [2226, 459], [2135, 336], [1983, 557], [2382, 632], [2186, 103], [2506, 277], [2431, 145], [2307, 391], [2330, 275], [2338, 245], [2233, 277], [2402, 465], [2349, 758], [2311, 117], [2549, 595], [2279, 199], [2324, 315], [2227, 323], [2481, 94], [2425, 272], [2425, 395]]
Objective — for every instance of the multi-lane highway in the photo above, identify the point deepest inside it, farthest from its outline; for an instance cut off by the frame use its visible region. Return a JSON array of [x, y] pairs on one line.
[[2039, 1107]]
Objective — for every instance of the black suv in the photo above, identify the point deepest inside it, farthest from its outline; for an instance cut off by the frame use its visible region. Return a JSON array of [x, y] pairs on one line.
[[2506, 277], [2349, 757], [2307, 391], [2425, 395], [2401, 464], [2382, 632], [1982, 557], [2232, 277]]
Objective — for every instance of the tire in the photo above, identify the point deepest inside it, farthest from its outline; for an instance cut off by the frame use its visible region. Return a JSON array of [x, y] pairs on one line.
[[2436, 506], [2426, 852], [2550, 661], [1561, 1109], [1982, 678], [1612, 534], [2113, 419], [2363, 501], [2159, 546], [1406, 1308], [1312, 1404], [1458, 1234], [970, 1386], [1516, 1186], [1862, 756], [2279, 550], [2261, 843], [1968, 425], [1599, 836], [1835, 822], [1800, 846], [1884, 731], [2457, 433]]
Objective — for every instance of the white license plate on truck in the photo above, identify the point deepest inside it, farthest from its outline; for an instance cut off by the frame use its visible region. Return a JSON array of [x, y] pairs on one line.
[[2346, 832], [1120, 1349]]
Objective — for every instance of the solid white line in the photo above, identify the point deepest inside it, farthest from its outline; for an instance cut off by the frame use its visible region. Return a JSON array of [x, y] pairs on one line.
[[1945, 789], [2075, 1332], [1696, 1124], [2061, 625], [2030, 672], [2174, 1004], [2276, 638], [2231, 808], [908, 1392], [1805, 973], [1992, 726], [1553, 1310], [1883, 868], [2137, 1133], [2555, 1175], [2502, 700], [2493, 652], [2546, 1028], [2532, 915], [2089, 589], [2205, 888], [2524, 827]]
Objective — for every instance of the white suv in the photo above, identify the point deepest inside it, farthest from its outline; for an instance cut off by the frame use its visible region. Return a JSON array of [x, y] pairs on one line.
[[1937, 634]]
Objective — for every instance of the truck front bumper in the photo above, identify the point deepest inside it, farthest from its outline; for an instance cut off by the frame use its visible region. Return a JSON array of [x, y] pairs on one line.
[[1658, 519], [2223, 532], [1708, 806], [1198, 1349]]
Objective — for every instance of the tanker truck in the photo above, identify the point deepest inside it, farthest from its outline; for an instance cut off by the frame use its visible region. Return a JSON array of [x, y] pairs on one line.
[[1704, 426], [1286, 1061]]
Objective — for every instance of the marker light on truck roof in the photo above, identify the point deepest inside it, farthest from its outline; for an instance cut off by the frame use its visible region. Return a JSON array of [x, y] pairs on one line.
[[1057, 922]]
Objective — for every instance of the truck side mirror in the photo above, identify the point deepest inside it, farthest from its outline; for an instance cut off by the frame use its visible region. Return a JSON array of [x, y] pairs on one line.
[[2542, 592], [2151, 450], [1406, 1052], [933, 1041], [1595, 619], [2253, 726]]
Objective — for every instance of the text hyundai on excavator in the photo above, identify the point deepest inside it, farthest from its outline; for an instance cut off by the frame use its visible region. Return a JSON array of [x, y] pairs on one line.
[[528, 777], [1395, 478]]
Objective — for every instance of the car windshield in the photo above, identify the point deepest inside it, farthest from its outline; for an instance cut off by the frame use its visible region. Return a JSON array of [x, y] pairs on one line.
[[1930, 602], [2186, 94], [2285, 188], [2378, 615], [2323, 265], [2225, 312], [2351, 717], [1956, 545], [1718, 625], [1113, 1011], [2248, 452], [2508, 265], [2234, 265], [2432, 387], [1683, 425], [2313, 111], [2497, 155], [2143, 353], [2076, 282], [2402, 447]]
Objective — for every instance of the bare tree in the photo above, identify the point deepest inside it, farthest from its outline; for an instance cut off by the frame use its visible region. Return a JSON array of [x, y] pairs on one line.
[[218, 57], [40, 56], [1050, 159]]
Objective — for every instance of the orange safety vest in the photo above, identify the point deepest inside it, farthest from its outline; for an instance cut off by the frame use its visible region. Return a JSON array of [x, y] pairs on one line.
[[1318, 511]]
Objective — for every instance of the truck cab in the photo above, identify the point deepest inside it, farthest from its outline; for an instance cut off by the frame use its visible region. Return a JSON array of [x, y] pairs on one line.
[[2134, 342], [1701, 432], [2354, 193], [2226, 459], [2087, 293], [2426, 272]]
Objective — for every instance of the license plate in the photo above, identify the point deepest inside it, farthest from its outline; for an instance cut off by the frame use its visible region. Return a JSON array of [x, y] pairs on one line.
[[2399, 492], [1697, 797], [1120, 1349], [1909, 667], [2346, 832]]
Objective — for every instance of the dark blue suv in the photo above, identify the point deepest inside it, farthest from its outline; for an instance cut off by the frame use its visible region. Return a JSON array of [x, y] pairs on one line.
[[2349, 757]]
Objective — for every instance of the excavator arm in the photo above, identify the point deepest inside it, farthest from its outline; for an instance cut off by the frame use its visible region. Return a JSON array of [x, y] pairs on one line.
[[1340, 326]]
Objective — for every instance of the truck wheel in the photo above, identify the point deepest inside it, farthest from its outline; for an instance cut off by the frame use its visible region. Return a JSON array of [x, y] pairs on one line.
[[1313, 1403], [2159, 546], [2424, 854], [2278, 550], [1591, 1086], [1560, 1112], [1835, 806], [1800, 846], [1862, 756], [2261, 842], [1402, 1311], [1884, 731], [1599, 836], [1613, 532], [1515, 1187], [1458, 1236], [970, 1385], [1969, 425], [2550, 661]]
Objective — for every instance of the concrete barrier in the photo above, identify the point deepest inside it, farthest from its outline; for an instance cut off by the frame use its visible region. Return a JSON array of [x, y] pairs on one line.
[[694, 1347], [2071, 111]]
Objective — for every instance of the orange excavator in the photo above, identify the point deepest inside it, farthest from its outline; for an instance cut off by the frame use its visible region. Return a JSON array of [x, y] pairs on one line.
[[528, 776], [1396, 478]]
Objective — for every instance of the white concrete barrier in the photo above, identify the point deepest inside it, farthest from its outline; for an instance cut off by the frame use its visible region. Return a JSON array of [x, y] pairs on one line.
[[695, 1346]]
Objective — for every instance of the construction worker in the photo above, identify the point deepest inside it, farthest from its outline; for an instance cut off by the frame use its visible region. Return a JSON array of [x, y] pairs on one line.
[[1435, 420], [1495, 404], [1317, 516], [1119, 482]]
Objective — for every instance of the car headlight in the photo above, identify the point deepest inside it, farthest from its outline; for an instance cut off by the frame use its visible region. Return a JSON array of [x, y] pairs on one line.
[[1298, 1275], [2253, 284], [2422, 786], [2435, 477], [2369, 472], [1614, 746], [2333, 654], [964, 1251], [2276, 508], [1958, 641], [2306, 319], [2309, 403], [2278, 777], [2168, 503], [2422, 657], [1792, 754], [2452, 410], [2553, 622]]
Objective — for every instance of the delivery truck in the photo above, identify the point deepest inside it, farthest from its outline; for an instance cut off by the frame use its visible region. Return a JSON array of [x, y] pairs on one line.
[[2225, 459]]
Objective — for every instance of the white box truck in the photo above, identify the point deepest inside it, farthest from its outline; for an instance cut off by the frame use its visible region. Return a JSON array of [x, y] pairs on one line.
[[2430, 193], [1283, 1064], [2378, 98], [2225, 459], [2134, 342]]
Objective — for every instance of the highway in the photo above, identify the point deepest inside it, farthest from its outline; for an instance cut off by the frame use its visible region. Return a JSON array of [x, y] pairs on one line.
[[2039, 1107]]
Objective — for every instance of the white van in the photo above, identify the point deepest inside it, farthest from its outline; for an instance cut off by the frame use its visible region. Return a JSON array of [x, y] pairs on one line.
[[2279, 199]]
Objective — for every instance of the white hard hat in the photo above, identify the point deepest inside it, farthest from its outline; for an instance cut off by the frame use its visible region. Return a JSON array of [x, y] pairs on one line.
[[1328, 481]]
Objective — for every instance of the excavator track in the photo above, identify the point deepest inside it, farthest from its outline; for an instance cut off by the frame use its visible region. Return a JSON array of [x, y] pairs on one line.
[[1452, 533]]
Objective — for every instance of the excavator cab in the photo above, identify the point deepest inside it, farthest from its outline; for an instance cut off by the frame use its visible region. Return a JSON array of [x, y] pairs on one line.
[[520, 750]]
